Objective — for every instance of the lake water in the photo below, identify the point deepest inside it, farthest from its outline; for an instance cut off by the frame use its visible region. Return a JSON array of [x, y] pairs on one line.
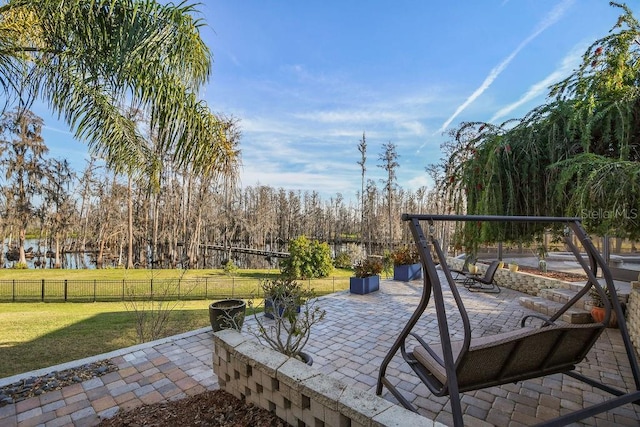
[[75, 260]]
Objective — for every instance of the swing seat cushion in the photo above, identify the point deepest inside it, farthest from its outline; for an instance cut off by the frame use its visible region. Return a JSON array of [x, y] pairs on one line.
[[513, 356]]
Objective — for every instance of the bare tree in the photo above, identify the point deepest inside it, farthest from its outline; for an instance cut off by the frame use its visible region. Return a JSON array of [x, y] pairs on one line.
[[59, 204], [25, 166], [362, 148], [88, 183], [389, 159]]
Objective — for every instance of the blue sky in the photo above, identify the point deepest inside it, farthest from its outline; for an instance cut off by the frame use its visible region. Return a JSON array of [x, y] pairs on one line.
[[307, 78]]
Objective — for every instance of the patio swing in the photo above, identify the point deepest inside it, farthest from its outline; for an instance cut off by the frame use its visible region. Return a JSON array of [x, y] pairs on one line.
[[451, 367]]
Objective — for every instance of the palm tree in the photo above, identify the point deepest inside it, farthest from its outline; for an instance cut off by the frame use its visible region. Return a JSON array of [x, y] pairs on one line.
[[89, 58]]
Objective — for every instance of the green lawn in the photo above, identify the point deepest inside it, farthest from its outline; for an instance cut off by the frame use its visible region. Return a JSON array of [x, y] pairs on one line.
[[143, 274], [36, 335], [119, 284]]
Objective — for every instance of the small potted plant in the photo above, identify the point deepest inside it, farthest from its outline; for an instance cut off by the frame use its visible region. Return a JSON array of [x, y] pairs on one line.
[[542, 258], [280, 294], [598, 310], [473, 269], [367, 276], [293, 312], [406, 264], [227, 314]]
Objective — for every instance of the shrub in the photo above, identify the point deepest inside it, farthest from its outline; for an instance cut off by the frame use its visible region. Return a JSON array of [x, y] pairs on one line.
[[368, 267], [405, 256], [342, 260], [307, 260], [597, 299], [230, 268], [290, 330]]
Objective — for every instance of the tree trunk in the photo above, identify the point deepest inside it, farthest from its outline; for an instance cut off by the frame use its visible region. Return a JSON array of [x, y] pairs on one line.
[[129, 225], [21, 239], [56, 263], [100, 256]]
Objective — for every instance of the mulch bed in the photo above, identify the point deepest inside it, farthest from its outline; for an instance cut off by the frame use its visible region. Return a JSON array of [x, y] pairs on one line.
[[211, 408]]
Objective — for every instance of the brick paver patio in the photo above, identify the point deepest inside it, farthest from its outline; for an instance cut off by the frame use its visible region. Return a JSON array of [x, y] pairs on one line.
[[349, 344]]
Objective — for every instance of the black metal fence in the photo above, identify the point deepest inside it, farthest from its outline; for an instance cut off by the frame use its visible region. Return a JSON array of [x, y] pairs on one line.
[[59, 290]]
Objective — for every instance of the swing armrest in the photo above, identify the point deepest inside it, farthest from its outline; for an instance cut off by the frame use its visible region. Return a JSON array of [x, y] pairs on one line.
[[546, 321], [426, 346]]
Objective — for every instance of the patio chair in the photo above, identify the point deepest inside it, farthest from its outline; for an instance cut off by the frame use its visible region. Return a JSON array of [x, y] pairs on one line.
[[484, 283], [461, 274], [449, 367]]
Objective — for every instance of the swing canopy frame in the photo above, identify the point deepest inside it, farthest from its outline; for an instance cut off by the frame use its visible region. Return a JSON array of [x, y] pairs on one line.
[[452, 367]]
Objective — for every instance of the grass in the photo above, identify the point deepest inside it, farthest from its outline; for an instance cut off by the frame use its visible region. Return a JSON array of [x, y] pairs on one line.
[[143, 274], [118, 284], [38, 335]]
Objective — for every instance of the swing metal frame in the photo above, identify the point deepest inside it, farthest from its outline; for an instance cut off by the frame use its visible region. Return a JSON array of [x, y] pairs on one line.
[[450, 368]]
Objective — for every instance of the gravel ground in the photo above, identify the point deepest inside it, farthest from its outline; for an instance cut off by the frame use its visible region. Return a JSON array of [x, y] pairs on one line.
[[35, 386]]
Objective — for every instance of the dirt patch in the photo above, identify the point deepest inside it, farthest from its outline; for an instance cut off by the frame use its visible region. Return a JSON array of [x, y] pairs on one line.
[[211, 408], [560, 275]]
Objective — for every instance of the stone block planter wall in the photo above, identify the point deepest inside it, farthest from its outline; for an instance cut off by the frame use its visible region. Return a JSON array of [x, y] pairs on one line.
[[518, 281], [297, 393]]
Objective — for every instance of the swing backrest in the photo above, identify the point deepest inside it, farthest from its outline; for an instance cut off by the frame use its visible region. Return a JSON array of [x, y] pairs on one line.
[[513, 356]]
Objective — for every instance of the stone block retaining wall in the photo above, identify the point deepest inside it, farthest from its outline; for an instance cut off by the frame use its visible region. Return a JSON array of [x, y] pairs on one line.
[[518, 281], [297, 393]]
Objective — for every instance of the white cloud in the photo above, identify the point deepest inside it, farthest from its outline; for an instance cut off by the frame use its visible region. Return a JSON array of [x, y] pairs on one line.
[[553, 16], [346, 116], [54, 129], [413, 127], [418, 181], [305, 181]]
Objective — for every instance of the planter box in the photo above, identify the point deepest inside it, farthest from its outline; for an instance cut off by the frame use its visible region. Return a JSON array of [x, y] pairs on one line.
[[268, 309], [364, 285], [405, 273], [297, 393]]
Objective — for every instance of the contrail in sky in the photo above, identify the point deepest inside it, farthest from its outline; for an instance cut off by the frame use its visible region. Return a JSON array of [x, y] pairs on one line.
[[570, 62], [553, 16]]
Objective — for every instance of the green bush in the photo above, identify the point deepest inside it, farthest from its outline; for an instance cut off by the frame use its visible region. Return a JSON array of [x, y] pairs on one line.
[[230, 268], [307, 259], [342, 260]]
